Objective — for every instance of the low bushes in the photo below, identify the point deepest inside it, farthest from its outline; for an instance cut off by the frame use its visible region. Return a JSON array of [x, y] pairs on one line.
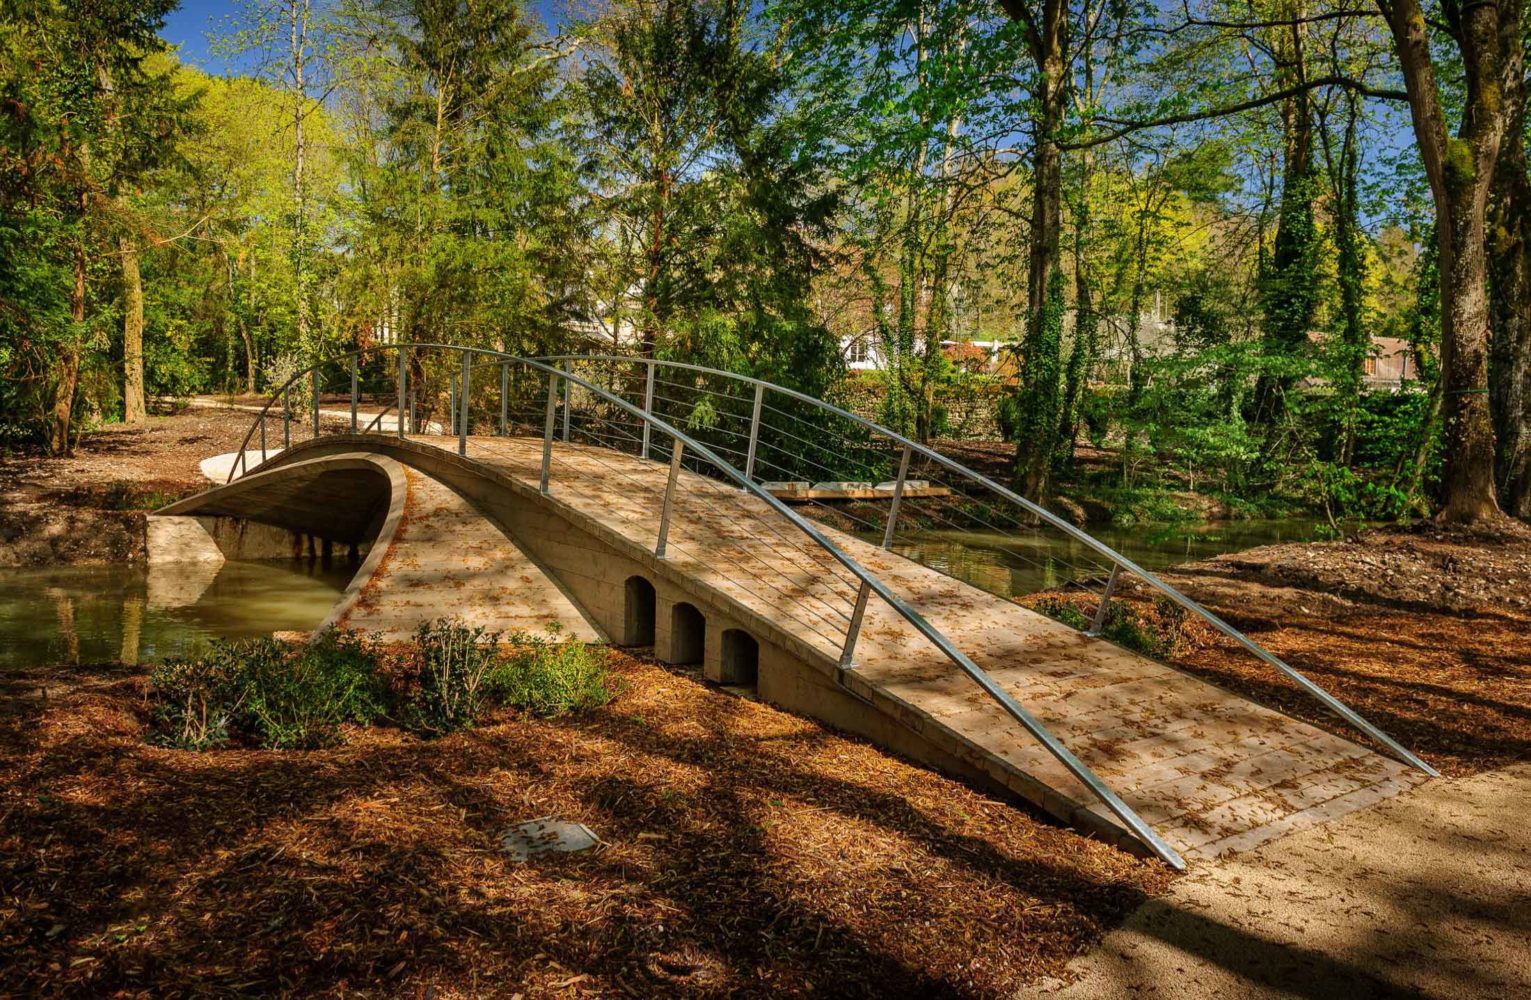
[[1157, 631], [548, 678], [260, 692]]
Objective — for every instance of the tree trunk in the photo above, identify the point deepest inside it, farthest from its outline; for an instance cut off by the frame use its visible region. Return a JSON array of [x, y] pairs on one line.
[[133, 410], [1468, 425], [1041, 391], [299, 13], [1047, 203], [59, 440], [1350, 265], [1460, 169], [1509, 267]]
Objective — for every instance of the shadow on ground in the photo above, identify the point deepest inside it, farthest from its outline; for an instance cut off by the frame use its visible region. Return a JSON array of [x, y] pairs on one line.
[[750, 853]]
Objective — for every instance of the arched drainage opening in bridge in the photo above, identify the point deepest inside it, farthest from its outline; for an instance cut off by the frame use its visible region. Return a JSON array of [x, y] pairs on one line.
[[688, 635], [741, 658], [638, 618]]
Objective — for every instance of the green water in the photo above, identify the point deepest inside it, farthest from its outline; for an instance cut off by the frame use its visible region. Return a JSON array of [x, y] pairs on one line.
[[87, 614], [1028, 561]]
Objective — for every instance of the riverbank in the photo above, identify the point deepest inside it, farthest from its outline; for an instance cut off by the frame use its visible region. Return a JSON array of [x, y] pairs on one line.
[[89, 509], [748, 852]]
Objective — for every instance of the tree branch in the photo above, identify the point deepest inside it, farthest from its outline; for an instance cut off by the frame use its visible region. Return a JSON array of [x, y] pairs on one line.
[[1127, 128]]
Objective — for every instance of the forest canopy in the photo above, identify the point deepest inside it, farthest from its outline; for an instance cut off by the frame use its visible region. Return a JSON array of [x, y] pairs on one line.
[[1201, 237]]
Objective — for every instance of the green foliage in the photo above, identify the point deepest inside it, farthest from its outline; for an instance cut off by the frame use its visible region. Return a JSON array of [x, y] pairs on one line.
[[449, 668], [1158, 633], [549, 677], [267, 693], [198, 703], [301, 699]]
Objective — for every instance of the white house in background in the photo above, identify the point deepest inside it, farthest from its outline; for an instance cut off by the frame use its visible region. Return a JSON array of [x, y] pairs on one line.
[[864, 351]]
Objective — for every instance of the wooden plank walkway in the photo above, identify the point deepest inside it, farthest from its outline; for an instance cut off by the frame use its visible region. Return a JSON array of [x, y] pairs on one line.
[[1208, 769]]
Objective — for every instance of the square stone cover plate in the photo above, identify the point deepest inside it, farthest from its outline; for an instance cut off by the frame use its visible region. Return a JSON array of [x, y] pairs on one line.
[[547, 834]]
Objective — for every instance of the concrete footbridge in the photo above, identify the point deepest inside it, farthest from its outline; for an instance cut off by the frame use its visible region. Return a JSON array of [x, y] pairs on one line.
[[757, 531]]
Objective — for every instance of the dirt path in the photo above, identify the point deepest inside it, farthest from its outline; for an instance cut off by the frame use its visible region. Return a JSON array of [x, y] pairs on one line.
[[1428, 894]]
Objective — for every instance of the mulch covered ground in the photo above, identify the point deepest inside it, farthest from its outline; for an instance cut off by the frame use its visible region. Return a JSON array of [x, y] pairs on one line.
[[750, 852], [1426, 634]]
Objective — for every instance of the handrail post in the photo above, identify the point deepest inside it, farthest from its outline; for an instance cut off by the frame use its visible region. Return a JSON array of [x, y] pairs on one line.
[[353, 394], [462, 417], [648, 406], [669, 497], [1105, 601], [286, 417], [403, 387], [315, 379], [547, 433], [567, 369], [749, 459], [263, 436], [505, 400], [848, 651], [898, 498], [452, 404]]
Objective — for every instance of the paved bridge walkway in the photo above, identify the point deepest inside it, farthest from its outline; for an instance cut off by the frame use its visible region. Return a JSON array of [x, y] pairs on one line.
[[1210, 770]]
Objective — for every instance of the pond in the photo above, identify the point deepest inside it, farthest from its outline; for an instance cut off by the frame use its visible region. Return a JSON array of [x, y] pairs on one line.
[[1026, 562], [85, 614]]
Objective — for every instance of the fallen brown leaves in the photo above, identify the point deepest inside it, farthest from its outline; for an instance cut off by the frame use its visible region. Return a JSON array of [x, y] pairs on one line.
[[751, 852], [1427, 635]]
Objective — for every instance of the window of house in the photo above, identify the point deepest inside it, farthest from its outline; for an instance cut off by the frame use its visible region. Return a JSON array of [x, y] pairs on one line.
[[858, 351], [1371, 366]]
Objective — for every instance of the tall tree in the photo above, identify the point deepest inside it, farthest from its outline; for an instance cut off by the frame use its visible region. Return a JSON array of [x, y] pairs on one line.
[[88, 112], [1509, 270], [1488, 38]]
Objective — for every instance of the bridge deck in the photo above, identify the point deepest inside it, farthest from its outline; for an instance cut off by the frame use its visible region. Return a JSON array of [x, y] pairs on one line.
[[1209, 769]]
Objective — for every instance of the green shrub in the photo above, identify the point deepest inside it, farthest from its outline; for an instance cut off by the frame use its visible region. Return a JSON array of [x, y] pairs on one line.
[[197, 703], [1159, 634], [267, 693], [547, 677], [449, 668], [300, 699], [1061, 610]]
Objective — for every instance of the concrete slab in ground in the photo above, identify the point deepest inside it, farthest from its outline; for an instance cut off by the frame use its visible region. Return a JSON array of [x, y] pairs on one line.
[[1426, 894]]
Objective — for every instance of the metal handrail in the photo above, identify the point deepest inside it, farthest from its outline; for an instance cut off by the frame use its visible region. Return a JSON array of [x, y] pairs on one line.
[[1118, 560], [870, 583]]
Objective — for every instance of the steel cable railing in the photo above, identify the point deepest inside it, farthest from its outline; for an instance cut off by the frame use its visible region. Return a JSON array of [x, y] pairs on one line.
[[419, 376]]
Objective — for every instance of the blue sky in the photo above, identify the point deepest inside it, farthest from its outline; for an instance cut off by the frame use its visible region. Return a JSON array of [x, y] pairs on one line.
[[190, 24]]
